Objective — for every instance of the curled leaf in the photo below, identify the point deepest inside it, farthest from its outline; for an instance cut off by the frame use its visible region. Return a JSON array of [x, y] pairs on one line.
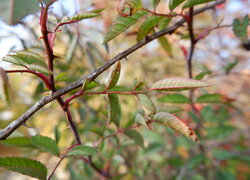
[[139, 118], [172, 121], [133, 5], [121, 6], [147, 104], [114, 77]]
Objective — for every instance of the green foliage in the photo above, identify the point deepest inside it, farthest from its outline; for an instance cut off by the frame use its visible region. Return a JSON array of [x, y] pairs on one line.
[[155, 3], [139, 118], [229, 67], [115, 126], [45, 144], [29, 60], [147, 104], [191, 3], [114, 109], [123, 23], [169, 109], [81, 150], [135, 136], [210, 98], [25, 166], [174, 98], [165, 44], [147, 26], [174, 3], [80, 17], [177, 84], [240, 28]]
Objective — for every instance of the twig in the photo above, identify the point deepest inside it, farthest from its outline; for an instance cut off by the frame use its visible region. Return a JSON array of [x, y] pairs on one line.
[[40, 75], [53, 171], [50, 56], [6, 132]]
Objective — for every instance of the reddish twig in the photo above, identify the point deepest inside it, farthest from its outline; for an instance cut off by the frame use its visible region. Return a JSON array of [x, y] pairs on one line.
[[40, 75], [54, 169]]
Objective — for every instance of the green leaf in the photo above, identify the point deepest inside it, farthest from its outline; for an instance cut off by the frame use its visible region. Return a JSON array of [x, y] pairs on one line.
[[4, 86], [45, 144], [114, 77], [123, 23], [30, 60], [174, 98], [135, 136], [210, 98], [81, 150], [97, 10], [19, 142], [240, 28], [169, 120], [164, 23], [169, 109], [14, 11], [166, 46], [57, 134], [174, 3], [155, 3], [114, 109], [147, 104], [219, 132], [139, 118], [80, 17], [191, 3], [177, 84], [25, 166], [224, 175], [202, 75], [228, 67], [147, 26], [196, 160]]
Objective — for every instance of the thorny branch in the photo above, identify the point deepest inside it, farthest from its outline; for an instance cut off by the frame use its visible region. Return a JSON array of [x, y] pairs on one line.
[[6, 132]]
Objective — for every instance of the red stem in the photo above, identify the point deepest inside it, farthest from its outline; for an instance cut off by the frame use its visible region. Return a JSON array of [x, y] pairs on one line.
[[40, 75]]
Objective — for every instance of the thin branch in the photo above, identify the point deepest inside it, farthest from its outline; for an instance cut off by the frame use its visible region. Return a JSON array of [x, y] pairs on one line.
[[53, 171], [6, 132], [50, 56], [40, 75]]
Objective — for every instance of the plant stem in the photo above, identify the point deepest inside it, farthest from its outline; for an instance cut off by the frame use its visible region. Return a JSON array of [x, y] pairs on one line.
[[53, 171], [40, 75]]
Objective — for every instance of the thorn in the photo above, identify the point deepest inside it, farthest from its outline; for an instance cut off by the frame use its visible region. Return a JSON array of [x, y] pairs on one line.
[[25, 125], [40, 38]]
